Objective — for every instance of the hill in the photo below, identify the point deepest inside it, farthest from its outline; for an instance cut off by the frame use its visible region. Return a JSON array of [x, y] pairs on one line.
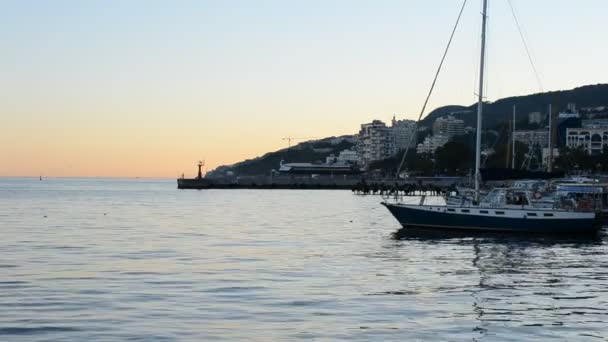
[[308, 151], [501, 110], [495, 114]]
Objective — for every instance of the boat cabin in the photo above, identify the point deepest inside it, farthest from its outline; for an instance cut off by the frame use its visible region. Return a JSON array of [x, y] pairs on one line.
[[589, 196], [531, 184], [507, 197]]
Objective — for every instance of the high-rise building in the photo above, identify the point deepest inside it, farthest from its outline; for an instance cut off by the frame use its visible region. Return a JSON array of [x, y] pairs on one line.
[[404, 133], [431, 143], [444, 129], [448, 126], [376, 142]]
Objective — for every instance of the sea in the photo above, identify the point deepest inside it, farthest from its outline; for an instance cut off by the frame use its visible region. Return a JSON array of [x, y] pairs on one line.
[[140, 260]]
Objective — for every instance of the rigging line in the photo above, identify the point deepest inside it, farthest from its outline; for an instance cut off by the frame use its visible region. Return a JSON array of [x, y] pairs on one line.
[[426, 101], [493, 147], [523, 39]]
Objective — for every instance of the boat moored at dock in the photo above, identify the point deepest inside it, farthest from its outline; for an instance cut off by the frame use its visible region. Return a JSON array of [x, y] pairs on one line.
[[505, 210]]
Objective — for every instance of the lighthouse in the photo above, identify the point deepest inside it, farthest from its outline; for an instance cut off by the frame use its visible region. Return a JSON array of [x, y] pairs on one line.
[[200, 173]]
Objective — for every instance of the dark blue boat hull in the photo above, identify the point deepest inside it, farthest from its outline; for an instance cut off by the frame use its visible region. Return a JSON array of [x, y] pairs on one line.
[[417, 218]]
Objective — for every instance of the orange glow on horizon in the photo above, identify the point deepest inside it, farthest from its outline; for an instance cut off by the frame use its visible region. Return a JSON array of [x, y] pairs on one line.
[[129, 89]]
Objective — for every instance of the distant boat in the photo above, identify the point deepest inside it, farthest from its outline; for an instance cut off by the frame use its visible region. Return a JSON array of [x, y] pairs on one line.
[[503, 209]]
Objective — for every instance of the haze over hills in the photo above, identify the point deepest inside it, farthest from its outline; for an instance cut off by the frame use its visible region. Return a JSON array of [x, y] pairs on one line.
[[495, 113]]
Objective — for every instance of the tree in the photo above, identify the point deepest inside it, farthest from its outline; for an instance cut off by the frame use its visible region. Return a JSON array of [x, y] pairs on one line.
[[424, 164], [576, 159], [603, 159], [420, 163], [498, 159], [453, 157]]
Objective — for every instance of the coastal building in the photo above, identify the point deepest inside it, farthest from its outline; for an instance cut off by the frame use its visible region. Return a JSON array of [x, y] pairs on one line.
[[534, 118], [594, 123], [567, 115], [594, 112], [376, 142], [431, 143], [592, 140], [404, 133], [597, 109], [347, 157], [571, 107], [448, 126], [592, 135], [444, 129]]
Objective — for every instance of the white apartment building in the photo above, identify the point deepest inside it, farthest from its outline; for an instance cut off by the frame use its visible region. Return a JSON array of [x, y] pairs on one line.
[[592, 140], [570, 112], [349, 156], [595, 123], [566, 115], [448, 126], [431, 143], [404, 133], [444, 129], [376, 142]]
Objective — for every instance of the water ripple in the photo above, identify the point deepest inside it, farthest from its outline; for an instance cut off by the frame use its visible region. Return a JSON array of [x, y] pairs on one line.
[[34, 330], [138, 260]]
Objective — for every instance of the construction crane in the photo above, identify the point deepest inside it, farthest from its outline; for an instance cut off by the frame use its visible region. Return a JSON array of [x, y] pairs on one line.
[[289, 139]]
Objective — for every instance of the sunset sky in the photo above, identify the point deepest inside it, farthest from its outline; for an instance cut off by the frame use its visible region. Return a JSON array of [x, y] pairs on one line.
[[147, 88]]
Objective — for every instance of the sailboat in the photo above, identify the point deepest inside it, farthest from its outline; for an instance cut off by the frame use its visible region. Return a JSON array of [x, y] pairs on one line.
[[503, 209]]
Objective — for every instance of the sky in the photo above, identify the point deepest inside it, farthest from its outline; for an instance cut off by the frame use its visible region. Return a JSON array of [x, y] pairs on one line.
[[147, 88]]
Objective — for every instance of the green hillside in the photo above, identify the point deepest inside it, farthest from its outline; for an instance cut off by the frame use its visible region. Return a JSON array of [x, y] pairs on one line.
[[306, 152]]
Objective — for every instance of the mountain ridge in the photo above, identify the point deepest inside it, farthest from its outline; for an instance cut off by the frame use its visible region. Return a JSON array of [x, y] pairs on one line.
[[501, 110], [495, 113]]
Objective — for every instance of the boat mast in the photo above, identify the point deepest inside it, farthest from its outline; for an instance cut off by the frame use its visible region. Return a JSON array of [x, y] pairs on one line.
[[513, 140], [480, 100], [550, 154]]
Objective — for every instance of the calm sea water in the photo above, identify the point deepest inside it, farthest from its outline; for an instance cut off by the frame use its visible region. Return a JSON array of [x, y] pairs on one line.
[[110, 260]]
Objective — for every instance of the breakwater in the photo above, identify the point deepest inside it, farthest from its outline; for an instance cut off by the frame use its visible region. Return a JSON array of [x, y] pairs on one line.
[[359, 184]]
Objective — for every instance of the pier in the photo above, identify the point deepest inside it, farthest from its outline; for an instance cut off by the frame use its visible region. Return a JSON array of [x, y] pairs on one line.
[[357, 184]]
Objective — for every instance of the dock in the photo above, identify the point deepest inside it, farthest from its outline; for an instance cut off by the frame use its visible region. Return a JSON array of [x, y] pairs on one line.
[[325, 182]]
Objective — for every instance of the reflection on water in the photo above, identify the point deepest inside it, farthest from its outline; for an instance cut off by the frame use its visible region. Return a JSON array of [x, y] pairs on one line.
[[531, 281], [114, 260]]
